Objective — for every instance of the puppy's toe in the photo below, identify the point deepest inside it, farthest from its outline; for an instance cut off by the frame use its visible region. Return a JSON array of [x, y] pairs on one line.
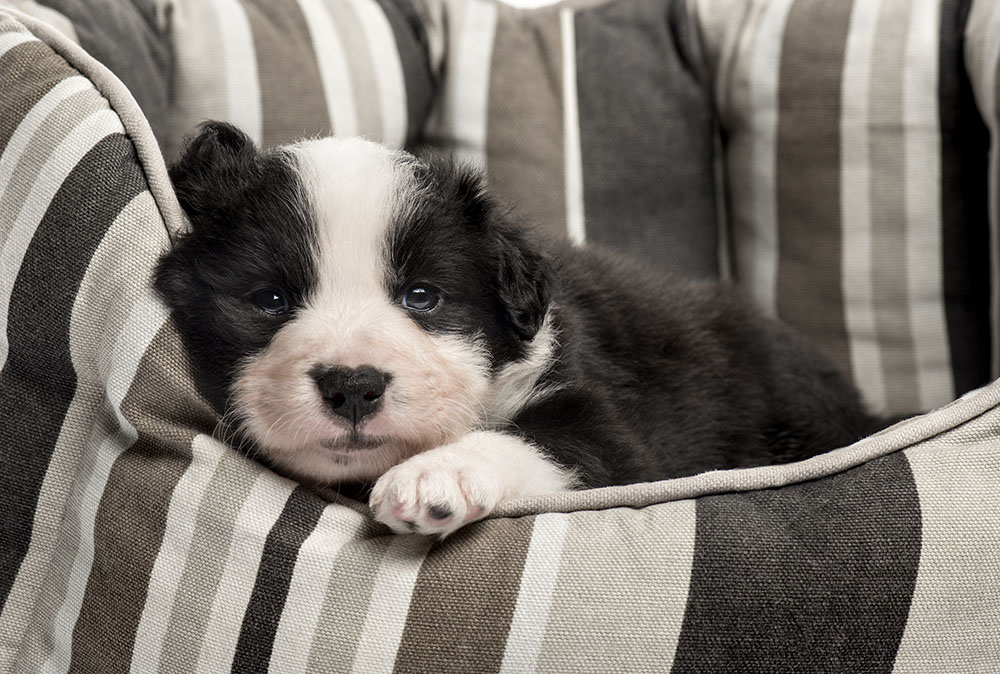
[[434, 494]]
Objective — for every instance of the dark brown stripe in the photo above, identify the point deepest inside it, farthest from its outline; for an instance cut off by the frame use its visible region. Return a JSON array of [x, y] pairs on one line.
[[464, 600], [646, 137], [524, 122], [39, 380], [965, 233], [809, 294], [28, 72], [411, 42], [291, 89], [814, 577], [274, 575], [163, 406]]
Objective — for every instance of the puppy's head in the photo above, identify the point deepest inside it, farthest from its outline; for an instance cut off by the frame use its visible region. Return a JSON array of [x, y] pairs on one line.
[[348, 305]]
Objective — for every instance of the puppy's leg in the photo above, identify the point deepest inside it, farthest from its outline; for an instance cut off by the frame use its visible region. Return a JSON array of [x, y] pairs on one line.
[[440, 490]]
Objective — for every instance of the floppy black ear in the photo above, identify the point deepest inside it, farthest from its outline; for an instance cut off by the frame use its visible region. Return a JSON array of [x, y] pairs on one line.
[[522, 272], [208, 174]]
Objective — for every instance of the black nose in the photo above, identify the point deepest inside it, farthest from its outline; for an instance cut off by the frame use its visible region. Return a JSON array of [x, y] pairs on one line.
[[351, 393]]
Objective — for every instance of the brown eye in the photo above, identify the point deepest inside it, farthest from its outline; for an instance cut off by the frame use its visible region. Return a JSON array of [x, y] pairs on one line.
[[270, 301], [421, 297]]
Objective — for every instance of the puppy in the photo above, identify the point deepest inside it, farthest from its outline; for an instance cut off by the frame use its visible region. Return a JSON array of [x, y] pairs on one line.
[[361, 315]]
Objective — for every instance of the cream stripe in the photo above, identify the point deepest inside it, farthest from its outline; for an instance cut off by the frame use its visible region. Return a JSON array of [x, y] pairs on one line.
[[952, 625], [390, 604], [52, 17], [169, 565], [313, 568], [765, 66], [538, 581], [95, 327], [333, 68], [922, 139], [10, 40], [242, 83], [60, 163], [469, 82], [256, 518], [388, 71], [571, 128], [856, 206], [143, 323], [25, 131], [983, 33]]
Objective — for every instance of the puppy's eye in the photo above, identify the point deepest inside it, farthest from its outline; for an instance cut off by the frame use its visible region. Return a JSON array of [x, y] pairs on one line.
[[270, 301], [421, 297]]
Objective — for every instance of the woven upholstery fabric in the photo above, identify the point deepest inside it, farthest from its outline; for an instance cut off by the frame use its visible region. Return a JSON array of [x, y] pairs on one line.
[[587, 118], [285, 69], [855, 163], [133, 540]]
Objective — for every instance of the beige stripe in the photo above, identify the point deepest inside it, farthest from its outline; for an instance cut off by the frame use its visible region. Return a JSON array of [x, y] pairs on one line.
[[314, 567], [573, 160], [525, 135], [214, 531], [952, 625], [922, 138], [888, 259], [256, 518], [242, 81], [538, 580], [334, 71], [856, 205], [758, 263], [389, 83], [99, 333], [468, 82], [621, 607], [390, 604], [177, 540], [364, 95], [345, 603], [58, 165], [50, 16]]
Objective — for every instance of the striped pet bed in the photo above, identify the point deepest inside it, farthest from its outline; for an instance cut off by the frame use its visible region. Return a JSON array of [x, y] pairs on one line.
[[134, 541]]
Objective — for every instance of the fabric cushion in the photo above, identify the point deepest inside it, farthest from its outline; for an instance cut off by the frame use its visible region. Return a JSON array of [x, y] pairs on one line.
[[286, 69], [855, 175], [131, 38], [588, 119], [133, 539]]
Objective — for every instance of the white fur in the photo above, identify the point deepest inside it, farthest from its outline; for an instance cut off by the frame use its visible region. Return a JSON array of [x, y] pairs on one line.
[[467, 479]]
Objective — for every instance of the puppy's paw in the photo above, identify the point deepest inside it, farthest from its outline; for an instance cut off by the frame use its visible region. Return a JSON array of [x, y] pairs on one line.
[[437, 492]]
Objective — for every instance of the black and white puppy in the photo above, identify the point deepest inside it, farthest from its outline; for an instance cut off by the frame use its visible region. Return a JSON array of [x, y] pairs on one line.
[[361, 315]]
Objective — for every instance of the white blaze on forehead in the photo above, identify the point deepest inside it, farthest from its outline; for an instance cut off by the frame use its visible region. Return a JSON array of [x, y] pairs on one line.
[[355, 188]]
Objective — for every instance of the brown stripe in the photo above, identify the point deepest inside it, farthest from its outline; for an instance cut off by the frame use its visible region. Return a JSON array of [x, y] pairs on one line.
[[890, 288], [165, 409], [524, 125], [27, 71], [464, 600], [809, 294], [291, 89]]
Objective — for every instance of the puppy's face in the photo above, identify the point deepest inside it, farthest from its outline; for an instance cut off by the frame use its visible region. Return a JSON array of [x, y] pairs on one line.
[[346, 304]]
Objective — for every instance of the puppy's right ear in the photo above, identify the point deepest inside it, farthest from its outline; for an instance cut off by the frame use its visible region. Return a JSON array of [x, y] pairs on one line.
[[207, 175]]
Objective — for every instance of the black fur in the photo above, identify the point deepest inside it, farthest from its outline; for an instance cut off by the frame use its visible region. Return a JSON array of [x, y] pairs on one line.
[[656, 376]]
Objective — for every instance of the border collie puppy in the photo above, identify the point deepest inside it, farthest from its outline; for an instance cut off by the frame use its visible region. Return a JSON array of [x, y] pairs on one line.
[[361, 315]]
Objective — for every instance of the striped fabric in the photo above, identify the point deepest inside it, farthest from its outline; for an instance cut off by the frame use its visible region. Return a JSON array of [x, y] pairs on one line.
[[134, 541], [587, 118], [855, 159], [285, 69]]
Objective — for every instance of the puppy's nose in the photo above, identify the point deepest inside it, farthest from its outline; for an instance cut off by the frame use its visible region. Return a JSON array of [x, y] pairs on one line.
[[351, 393]]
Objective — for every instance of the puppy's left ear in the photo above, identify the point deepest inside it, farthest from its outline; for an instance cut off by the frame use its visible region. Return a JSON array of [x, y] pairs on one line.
[[522, 273]]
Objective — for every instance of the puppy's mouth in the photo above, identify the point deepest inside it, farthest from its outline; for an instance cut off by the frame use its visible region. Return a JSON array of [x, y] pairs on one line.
[[354, 442]]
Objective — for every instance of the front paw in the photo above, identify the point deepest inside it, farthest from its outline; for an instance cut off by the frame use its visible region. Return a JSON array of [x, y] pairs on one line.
[[436, 492]]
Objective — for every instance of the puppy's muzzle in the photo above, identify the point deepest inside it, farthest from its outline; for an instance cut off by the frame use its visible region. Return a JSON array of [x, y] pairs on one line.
[[351, 393]]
